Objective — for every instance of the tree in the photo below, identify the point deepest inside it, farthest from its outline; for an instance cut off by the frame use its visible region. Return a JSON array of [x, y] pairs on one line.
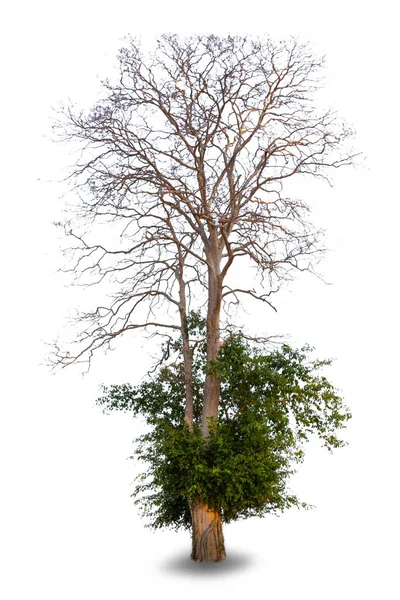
[[183, 167]]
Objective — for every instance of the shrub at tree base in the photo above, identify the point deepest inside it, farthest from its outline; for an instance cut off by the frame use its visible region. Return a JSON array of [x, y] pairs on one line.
[[271, 402]]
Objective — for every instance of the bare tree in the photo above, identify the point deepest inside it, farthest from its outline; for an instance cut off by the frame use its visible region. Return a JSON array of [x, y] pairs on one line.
[[186, 158]]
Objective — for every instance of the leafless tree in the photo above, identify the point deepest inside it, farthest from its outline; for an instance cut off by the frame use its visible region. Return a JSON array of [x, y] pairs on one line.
[[186, 157]]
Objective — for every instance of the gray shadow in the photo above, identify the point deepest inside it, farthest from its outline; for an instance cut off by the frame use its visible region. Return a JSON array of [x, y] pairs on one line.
[[182, 564]]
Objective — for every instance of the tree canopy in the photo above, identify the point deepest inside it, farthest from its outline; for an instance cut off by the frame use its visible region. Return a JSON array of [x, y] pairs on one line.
[[182, 171]]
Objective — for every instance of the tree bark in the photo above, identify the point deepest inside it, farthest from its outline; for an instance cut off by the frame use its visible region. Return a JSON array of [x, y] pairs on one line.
[[207, 537], [212, 383]]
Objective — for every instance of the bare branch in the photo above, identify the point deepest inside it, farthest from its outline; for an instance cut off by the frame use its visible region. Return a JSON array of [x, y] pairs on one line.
[[183, 170]]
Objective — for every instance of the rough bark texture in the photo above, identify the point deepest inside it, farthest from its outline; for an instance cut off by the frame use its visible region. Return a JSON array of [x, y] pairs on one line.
[[207, 538]]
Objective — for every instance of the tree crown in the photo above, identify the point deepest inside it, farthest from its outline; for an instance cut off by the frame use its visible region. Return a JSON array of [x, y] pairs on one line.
[[187, 154]]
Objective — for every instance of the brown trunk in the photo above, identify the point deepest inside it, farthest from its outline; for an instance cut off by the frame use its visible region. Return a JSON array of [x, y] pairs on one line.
[[207, 538], [212, 383], [187, 353], [188, 371]]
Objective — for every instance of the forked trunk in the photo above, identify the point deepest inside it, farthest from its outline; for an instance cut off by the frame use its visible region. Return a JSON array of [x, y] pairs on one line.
[[207, 538]]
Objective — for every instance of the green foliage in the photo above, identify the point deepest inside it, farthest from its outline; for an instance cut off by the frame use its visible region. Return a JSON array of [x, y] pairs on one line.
[[271, 403]]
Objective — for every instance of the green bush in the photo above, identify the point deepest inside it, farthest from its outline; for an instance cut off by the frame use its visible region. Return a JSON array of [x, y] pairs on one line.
[[271, 403]]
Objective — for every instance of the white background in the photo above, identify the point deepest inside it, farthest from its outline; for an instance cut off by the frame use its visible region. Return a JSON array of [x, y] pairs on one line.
[[68, 526]]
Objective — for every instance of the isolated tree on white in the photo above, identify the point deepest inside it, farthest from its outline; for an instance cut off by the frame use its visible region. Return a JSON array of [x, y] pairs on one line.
[[185, 157]]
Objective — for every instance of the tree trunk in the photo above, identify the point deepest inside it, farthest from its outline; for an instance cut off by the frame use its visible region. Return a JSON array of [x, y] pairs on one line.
[[207, 538], [187, 356], [212, 382]]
